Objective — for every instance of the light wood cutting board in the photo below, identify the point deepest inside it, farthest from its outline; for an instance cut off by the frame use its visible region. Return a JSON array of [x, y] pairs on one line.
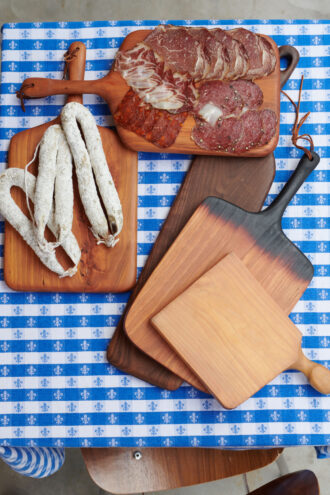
[[233, 335], [100, 269], [113, 88], [215, 229]]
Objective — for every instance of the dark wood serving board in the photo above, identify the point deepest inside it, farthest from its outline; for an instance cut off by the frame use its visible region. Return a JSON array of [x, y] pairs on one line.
[[112, 88], [244, 182], [215, 229], [101, 269]]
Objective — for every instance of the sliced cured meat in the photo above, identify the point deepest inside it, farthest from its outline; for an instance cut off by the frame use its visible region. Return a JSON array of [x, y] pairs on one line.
[[251, 131], [158, 126], [268, 126], [234, 134], [249, 92], [180, 51], [222, 136], [259, 53], [215, 54], [201, 35], [235, 54], [146, 75], [217, 100], [268, 55]]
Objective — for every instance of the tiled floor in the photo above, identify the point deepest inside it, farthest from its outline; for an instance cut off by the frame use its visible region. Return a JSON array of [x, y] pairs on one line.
[[73, 477]]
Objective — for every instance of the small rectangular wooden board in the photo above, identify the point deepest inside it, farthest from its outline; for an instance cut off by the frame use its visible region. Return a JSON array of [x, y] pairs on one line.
[[230, 332]]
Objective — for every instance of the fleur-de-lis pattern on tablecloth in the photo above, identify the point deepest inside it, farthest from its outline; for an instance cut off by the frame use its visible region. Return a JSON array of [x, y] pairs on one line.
[[56, 387]]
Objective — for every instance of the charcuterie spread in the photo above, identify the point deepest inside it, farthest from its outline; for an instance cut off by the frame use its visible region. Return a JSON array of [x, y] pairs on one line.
[[177, 71]]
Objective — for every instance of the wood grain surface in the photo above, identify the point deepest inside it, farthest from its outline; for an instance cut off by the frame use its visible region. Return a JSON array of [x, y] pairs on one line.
[[215, 229], [243, 181], [231, 333], [100, 269], [117, 471], [112, 88]]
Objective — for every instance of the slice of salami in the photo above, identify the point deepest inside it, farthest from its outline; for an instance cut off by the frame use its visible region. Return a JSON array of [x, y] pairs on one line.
[[158, 126], [217, 100], [251, 131], [179, 50], [268, 126], [222, 136], [250, 93]]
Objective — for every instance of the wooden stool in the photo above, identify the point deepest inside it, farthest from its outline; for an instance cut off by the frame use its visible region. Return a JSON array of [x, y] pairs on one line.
[[137, 470]]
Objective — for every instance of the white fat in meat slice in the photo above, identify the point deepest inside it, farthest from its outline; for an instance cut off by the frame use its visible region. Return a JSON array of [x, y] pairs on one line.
[[201, 66], [163, 98], [210, 113]]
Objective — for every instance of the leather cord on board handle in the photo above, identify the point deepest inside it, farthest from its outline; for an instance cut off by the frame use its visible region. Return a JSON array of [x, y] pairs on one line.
[[297, 125], [68, 57], [20, 94]]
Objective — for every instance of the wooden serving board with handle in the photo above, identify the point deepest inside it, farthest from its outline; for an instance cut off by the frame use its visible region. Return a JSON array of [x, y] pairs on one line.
[[233, 335], [112, 88], [215, 229], [100, 269], [224, 177]]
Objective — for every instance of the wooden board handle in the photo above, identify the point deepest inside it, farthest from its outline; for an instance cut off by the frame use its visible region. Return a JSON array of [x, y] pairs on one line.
[[76, 67], [275, 211], [292, 54], [39, 87], [318, 375]]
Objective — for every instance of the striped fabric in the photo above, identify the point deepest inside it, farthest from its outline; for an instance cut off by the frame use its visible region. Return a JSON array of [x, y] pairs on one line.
[[35, 462], [323, 452], [56, 388]]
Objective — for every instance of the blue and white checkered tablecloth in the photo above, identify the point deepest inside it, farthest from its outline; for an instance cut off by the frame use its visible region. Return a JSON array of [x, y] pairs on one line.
[[56, 388]]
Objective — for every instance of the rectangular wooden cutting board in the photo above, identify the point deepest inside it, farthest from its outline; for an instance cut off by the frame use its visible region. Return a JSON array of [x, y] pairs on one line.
[[270, 86], [101, 269], [215, 229], [230, 332], [233, 335]]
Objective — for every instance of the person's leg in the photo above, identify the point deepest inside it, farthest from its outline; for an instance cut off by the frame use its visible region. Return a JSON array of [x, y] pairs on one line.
[[36, 462]]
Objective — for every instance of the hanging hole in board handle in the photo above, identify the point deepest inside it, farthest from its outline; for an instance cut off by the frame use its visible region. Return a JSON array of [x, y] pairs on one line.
[[291, 53]]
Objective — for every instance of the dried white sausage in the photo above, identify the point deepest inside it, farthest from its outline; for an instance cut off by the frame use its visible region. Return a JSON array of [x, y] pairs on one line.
[[90, 162], [54, 175], [15, 177]]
